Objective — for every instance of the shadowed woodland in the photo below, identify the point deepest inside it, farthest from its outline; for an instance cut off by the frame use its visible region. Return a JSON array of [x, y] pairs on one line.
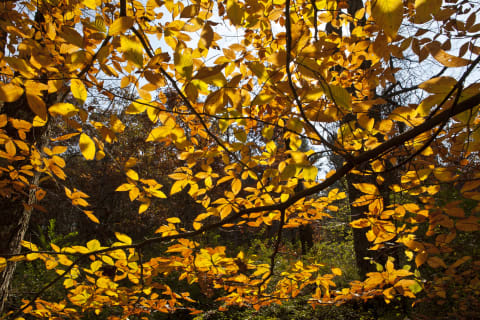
[[239, 159]]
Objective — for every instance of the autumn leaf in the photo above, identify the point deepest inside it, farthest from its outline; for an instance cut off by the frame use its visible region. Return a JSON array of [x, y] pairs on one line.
[[132, 50], [234, 12], [121, 25], [137, 106], [445, 58], [63, 109], [367, 188], [438, 85], [10, 92], [338, 96], [236, 186], [132, 174], [264, 120], [184, 63], [425, 8], [469, 224], [87, 147], [37, 105], [388, 14], [91, 216], [123, 238], [78, 90]]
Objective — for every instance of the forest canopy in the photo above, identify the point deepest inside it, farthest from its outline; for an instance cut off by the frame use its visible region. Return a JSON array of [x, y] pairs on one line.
[[175, 157]]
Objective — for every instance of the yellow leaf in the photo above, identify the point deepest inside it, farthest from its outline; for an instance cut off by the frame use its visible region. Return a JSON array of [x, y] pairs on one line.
[[389, 294], [259, 70], [63, 109], [215, 102], [78, 90], [123, 238], [10, 92], [159, 133], [445, 58], [184, 63], [444, 174], [421, 258], [121, 25], [29, 245], [262, 98], [425, 8], [108, 260], [234, 12], [178, 186], [174, 220], [236, 186], [91, 216], [299, 157], [310, 173], [338, 95], [337, 271], [10, 148], [91, 4], [39, 122], [225, 211], [103, 282], [125, 187], [438, 85], [144, 206], [59, 149], [153, 114], [37, 105], [100, 155], [3, 120], [178, 176], [388, 14], [136, 107], [134, 193], [132, 50], [132, 174], [366, 188], [93, 245], [87, 147], [3, 263], [157, 193], [32, 256], [197, 225], [71, 36], [360, 223]]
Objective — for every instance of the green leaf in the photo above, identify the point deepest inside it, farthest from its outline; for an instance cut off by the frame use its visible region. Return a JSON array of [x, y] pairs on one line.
[[415, 288]]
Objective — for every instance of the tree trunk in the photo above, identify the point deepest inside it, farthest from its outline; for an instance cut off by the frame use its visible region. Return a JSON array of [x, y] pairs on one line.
[[14, 246], [360, 241], [363, 255]]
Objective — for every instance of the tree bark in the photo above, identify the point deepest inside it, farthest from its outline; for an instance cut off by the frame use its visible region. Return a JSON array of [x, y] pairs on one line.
[[14, 246], [21, 110]]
